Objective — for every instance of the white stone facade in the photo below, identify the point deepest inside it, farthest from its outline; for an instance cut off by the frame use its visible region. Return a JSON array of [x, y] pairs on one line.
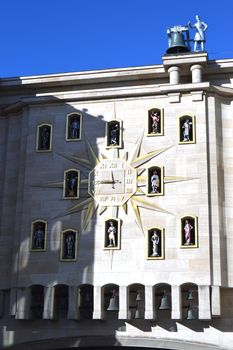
[[197, 176]]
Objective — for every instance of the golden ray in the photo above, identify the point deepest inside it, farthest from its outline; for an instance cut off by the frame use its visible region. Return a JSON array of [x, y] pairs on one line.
[[140, 171], [136, 150], [103, 156], [80, 206], [91, 209], [139, 192], [147, 205], [91, 154], [169, 179], [141, 181], [124, 206], [136, 214], [75, 159], [102, 210], [111, 258], [146, 157]]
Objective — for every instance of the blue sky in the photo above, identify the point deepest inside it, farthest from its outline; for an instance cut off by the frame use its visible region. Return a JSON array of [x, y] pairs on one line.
[[56, 36]]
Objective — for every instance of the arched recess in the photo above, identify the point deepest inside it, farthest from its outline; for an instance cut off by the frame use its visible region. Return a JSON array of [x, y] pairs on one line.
[[110, 298], [37, 301], [61, 301], [85, 301], [163, 301], [189, 298], [136, 297]]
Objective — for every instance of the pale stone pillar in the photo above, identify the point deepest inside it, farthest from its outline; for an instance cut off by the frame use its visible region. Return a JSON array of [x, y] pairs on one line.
[[48, 313], [149, 303], [73, 303], [204, 303], [215, 301], [174, 75], [13, 302], [196, 70], [98, 303], [123, 303], [23, 303], [176, 299]]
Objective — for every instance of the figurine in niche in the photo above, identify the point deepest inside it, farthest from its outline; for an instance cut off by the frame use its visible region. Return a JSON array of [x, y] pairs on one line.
[[187, 125], [38, 236], [112, 235], [199, 38], [155, 122], [69, 242], [44, 137], [71, 184], [155, 182], [155, 244], [187, 233], [114, 134], [74, 127]]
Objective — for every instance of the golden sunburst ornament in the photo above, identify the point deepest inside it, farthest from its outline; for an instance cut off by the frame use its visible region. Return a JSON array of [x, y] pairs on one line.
[[114, 182]]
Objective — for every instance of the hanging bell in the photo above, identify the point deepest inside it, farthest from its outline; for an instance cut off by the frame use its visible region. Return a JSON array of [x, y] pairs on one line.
[[165, 302], [137, 314], [113, 305], [190, 295], [177, 44], [191, 314], [138, 297]]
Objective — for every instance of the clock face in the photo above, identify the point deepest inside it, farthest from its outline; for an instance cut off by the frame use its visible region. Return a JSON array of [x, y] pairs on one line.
[[112, 182]]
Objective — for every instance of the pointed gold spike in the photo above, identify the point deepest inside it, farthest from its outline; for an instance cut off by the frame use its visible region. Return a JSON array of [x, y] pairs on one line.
[[139, 192], [136, 214], [145, 158], [103, 156], [102, 210], [91, 154], [111, 258], [50, 185], [168, 179], [91, 209], [83, 204], [140, 171], [84, 162], [124, 206], [141, 181], [147, 205], [136, 150]]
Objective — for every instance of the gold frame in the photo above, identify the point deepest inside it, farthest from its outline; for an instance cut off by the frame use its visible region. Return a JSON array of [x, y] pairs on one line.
[[64, 183], [61, 244], [37, 138], [118, 247], [45, 235], [67, 124], [162, 181], [161, 133], [162, 257], [192, 116], [195, 233], [120, 136]]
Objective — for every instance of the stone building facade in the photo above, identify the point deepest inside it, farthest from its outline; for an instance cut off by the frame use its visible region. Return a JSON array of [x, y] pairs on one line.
[[116, 214]]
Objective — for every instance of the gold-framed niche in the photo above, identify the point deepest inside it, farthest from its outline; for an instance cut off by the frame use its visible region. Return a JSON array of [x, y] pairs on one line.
[[155, 244], [155, 181], [155, 122], [38, 235], [112, 234], [71, 183], [44, 137], [68, 246], [186, 129], [113, 134], [74, 126], [188, 232]]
